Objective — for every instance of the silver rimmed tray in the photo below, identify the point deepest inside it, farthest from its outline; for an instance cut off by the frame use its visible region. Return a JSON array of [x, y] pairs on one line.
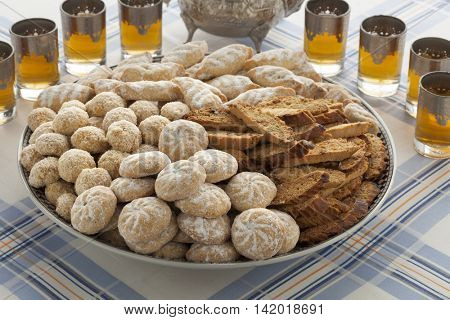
[[385, 183]]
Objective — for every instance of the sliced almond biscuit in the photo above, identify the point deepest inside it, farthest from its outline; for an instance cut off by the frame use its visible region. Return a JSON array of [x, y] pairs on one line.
[[348, 130], [224, 140], [216, 119]]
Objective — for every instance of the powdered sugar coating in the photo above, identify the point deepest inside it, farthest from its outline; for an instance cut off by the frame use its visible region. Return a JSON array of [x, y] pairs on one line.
[[29, 156], [118, 114], [203, 230], [143, 219], [250, 190], [233, 85], [44, 172], [53, 97], [143, 164], [144, 109], [111, 160], [181, 139], [255, 96], [179, 180], [151, 128], [219, 165], [89, 178], [93, 209], [39, 116], [46, 127], [258, 234], [187, 54], [124, 136], [54, 190], [103, 103], [172, 251], [209, 202], [72, 162], [292, 231], [212, 253], [90, 139], [73, 103], [128, 189], [68, 120], [52, 144], [198, 95], [64, 205], [174, 110]]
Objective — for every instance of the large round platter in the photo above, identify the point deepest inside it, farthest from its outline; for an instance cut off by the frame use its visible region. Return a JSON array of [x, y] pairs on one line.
[[38, 197]]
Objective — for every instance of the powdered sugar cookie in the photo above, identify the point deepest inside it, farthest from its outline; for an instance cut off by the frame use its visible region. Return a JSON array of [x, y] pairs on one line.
[[53, 97], [117, 114], [128, 189], [46, 127], [124, 136], [105, 85], [93, 209], [172, 251], [39, 116], [68, 120], [206, 231], [180, 139], [285, 58], [151, 128], [255, 96], [143, 219], [110, 161], [143, 164], [219, 165], [174, 110], [145, 148], [89, 178], [149, 71], [258, 234], [250, 190], [232, 85], [179, 180], [209, 202], [212, 253], [96, 122], [54, 190], [100, 72], [103, 103], [72, 162], [90, 139], [73, 103], [44, 172], [292, 231], [198, 94], [182, 237], [52, 144], [29, 156], [64, 205], [187, 54], [149, 90], [144, 109]]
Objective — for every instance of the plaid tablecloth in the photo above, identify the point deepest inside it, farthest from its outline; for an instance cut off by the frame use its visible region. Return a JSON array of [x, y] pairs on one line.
[[402, 253]]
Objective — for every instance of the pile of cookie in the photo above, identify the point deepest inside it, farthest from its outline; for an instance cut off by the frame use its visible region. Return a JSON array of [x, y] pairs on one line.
[[205, 157]]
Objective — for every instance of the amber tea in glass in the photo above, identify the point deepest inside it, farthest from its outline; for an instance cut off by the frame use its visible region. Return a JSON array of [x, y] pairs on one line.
[[84, 35], [326, 27], [140, 26], [381, 45], [432, 137], [7, 79], [426, 55], [35, 44]]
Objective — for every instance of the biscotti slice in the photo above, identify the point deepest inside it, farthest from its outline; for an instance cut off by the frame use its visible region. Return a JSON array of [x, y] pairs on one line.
[[315, 107], [348, 130], [273, 128], [331, 116], [358, 210], [358, 171], [347, 189], [311, 236], [273, 155], [292, 117], [325, 151], [281, 175], [309, 132], [224, 140], [216, 120], [378, 156], [353, 161], [297, 190]]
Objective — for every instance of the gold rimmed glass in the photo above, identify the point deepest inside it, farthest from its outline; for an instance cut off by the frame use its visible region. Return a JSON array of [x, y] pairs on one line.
[[7, 81]]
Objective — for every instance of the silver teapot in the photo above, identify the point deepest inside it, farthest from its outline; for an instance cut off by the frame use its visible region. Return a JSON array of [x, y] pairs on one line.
[[236, 18]]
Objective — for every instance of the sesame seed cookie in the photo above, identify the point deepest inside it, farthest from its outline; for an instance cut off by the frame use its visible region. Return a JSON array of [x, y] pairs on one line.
[[124, 136], [54, 190], [89, 178], [144, 109], [72, 162], [110, 161], [39, 116], [143, 164], [68, 120], [103, 103], [151, 128], [30, 156], [64, 205], [118, 114], [46, 127], [52, 144], [90, 139], [73, 103], [44, 172], [145, 148]]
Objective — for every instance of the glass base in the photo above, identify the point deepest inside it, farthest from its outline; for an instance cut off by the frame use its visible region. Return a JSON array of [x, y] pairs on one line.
[[81, 69], [411, 109], [434, 152], [327, 69], [7, 115], [29, 94], [377, 88]]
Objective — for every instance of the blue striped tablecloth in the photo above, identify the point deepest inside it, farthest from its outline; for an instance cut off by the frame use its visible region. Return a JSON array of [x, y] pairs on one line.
[[401, 253]]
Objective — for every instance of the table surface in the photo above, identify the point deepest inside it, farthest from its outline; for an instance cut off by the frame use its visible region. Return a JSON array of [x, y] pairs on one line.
[[402, 253]]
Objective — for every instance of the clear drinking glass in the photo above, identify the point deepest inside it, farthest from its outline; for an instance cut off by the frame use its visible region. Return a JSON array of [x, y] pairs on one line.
[[432, 136], [381, 45], [326, 28], [35, 44], [7, 81]]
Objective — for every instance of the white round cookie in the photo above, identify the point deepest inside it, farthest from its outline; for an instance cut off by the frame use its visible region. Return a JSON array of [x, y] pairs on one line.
[[46, 127], [143, 164], [143, 219], [44, 172], [292, 231], [64, 205], [92, 177], [144, 109], [175, 110], [68, 120], [212, 253], [128, 189], [147, 247], [118, 114], [151, 128], [258, 234], [172, 251], [181, 139], [110, 161], [203, 230], [104, 102], [52, 144], [93, 209], [39, 116], [219, 165], [56, 189], [124, 136], [29, 156], [90, 139], [179, 180], [209, 202], [72, 162], [249, 190]]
